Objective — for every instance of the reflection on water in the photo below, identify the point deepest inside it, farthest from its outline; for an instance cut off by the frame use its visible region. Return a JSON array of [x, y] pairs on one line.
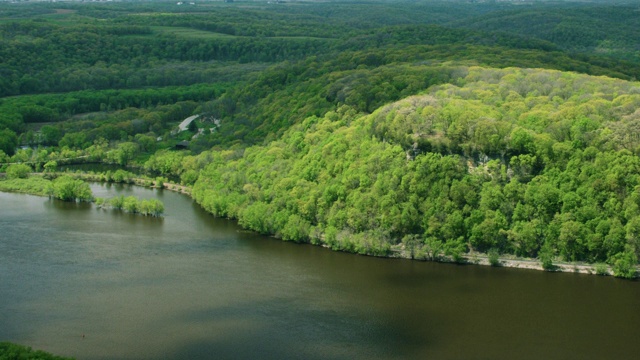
[[192, 286]]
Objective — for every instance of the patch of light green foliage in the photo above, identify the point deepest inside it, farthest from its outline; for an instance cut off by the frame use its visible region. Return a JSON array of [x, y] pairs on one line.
[[67, 188], [34, 185], [131, 204], [64, 188]]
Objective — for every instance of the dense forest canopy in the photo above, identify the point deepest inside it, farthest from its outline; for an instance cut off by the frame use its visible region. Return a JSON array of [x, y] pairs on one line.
[[523, 161], [439, 126]]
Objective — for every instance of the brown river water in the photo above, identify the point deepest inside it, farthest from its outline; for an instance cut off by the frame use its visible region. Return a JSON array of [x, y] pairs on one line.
[[95, 284]]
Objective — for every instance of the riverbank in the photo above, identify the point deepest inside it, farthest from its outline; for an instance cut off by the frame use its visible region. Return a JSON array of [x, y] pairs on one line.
[[76, 188], [515, 263], [144, 182], [398, 252], [138, 181], [533, 264]]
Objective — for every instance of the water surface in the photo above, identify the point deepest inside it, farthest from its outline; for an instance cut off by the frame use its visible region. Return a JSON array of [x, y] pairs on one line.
[[192, 286]]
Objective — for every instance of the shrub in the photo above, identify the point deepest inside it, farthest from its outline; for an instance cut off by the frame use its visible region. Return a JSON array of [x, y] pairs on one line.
[[189, 177], [18, 171], [296, 229], [117, 202], [151, 207], [455, 249], [159, 183], [601, 269], [624, 264], [546, 258], [494, 257], [66, 188], [130, 204], [121, 176], [50, 166]]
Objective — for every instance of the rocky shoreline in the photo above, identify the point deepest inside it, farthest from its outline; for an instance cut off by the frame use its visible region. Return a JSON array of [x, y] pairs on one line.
[[519, 263], [536, 265]]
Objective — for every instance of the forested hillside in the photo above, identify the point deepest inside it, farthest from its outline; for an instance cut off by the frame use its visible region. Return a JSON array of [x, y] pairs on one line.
[[529, 162], [435, 128], [564, 25]]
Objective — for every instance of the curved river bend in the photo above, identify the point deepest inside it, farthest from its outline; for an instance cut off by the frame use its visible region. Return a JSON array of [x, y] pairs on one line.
[[94, 284]]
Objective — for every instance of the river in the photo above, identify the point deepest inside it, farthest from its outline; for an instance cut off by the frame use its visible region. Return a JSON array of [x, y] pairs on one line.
[[95, 284]]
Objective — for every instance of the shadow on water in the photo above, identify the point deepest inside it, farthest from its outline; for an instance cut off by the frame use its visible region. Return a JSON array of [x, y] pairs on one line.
[[283, 328], [67, 205], [219, 227]]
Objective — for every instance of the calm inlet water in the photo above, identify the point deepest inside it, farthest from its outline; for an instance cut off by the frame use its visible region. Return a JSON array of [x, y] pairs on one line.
[[192, 286]]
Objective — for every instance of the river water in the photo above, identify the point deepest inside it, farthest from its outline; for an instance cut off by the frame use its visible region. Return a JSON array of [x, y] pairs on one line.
[[96, 284]]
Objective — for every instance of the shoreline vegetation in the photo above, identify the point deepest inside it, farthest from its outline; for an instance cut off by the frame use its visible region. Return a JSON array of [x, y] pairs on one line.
[[67, 186], [133, 205], [401, 251]]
